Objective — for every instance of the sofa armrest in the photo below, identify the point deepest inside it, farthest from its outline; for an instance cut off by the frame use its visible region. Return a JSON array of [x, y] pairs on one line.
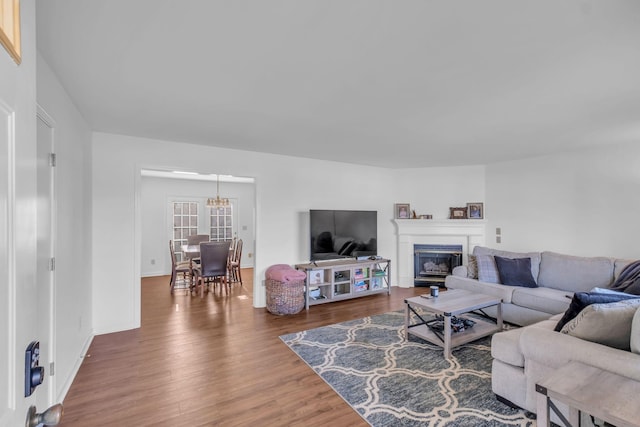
[[473, 285], [553, 349], [460, 271]]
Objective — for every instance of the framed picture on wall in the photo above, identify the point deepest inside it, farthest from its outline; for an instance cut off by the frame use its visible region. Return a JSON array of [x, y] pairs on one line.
[[475, 210], [402, 210], [10, 28]]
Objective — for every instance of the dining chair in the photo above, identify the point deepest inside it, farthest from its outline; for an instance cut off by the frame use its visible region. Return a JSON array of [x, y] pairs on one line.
[[235, 276], [182, 267], [214, 258], [196, 239]]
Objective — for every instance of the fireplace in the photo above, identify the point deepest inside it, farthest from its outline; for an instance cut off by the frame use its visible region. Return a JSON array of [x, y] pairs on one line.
[[432, 263], [461, 233]]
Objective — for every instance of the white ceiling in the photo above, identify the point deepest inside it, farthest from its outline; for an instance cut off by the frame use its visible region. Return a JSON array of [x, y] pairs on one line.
[[396, 83]]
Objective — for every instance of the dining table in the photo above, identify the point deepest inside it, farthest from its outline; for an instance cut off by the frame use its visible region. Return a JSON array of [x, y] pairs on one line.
[[191, 251]]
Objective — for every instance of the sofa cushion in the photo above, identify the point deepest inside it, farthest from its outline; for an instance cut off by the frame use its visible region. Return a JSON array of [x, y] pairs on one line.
[[505, 346], [547, 300], [581, 300], [607, 324], [535, 257], [575, 274], [634, 341], [487, 270], [515, 271]]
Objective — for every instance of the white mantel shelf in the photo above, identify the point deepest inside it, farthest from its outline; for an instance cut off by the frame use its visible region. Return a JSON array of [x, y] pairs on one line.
[[467, 233]]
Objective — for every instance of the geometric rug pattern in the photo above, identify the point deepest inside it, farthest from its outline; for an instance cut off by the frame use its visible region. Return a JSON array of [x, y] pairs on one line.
[[390, 381]]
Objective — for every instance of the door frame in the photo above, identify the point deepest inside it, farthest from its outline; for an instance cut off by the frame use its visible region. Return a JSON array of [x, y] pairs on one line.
[[49, 382]]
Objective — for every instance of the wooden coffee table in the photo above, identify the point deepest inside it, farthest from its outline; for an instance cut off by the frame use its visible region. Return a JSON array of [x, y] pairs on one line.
[[451, 303]]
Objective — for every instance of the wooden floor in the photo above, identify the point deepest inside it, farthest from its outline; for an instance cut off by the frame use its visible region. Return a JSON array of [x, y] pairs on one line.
[[215, 361]]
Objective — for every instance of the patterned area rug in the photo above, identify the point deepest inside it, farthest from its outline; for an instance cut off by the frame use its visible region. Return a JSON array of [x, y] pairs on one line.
[[393, 382]]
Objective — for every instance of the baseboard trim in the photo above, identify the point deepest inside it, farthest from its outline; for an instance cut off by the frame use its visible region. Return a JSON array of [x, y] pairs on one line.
[[76, 367]]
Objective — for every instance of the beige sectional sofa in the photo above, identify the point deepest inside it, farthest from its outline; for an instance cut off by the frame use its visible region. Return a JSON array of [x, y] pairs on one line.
[[558, 276], [523, 356]]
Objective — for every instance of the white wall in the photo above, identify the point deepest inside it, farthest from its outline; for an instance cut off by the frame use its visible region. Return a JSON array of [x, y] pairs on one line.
[[581, 203], [286, 188], [434, 190], [72, 139], [156, 197]]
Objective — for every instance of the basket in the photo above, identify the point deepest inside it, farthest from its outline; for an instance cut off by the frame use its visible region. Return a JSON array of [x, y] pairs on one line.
[[285, 298]]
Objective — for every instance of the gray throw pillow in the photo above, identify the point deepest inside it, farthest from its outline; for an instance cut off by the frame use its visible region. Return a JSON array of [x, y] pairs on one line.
[[515, 271], [607, 324], [487, 270]]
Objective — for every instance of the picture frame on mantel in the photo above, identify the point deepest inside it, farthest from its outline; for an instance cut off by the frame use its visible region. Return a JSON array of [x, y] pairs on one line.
[[402, 210], [475, 210], [458, 213]]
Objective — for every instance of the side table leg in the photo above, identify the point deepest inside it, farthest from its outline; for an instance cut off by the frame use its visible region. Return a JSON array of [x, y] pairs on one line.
[[447, 335], [543, 410], [574, 417], [406, 321]]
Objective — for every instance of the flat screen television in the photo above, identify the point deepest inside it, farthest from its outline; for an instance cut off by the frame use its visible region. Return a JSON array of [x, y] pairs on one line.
[[339, 234]]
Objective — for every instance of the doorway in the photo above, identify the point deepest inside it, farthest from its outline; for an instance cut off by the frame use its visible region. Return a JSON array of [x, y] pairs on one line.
[[158, 193]]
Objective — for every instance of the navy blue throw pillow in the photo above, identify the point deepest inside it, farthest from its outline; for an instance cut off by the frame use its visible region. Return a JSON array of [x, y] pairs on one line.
[[581, 300], [515, 272]]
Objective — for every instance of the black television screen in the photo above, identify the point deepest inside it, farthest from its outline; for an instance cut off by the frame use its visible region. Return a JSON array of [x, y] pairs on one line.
[[343, 234]]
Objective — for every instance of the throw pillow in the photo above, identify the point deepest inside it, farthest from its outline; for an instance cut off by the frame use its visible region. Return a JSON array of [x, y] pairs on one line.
[[515, 271], [634, 342], [472, 267], [487, 270], [581, 300], [606, 324]]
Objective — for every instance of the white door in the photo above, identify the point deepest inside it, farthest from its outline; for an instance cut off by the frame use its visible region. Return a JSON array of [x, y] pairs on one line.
[[45, 270], [18, 289]]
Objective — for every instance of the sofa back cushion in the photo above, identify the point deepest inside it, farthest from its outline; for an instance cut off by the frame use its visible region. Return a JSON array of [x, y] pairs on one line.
[[573, 273], [535, 257], [607, 324]]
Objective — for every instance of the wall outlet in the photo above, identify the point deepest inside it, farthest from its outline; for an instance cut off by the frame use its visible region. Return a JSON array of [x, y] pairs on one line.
[[153, 262], [498, 231], [498, 239]]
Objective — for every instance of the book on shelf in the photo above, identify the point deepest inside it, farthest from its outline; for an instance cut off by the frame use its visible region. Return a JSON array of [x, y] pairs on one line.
[[360, 286]]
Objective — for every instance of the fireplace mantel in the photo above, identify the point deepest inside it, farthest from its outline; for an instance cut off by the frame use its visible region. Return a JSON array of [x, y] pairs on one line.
[[465, 232]]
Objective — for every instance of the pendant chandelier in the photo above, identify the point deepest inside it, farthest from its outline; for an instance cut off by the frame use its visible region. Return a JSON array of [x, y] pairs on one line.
[[217, 203]]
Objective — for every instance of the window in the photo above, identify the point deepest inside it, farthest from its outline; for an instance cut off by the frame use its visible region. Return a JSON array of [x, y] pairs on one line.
[[221, 223], [185, 223]]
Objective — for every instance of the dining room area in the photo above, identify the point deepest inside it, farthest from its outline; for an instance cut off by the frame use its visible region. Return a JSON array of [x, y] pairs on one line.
[[208, 221]]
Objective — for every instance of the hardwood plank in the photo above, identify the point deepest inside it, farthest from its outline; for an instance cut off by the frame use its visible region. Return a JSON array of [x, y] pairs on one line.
[[212, 361]]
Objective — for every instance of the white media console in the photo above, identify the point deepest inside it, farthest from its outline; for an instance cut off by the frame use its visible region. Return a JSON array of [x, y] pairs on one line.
[[337, 280]]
